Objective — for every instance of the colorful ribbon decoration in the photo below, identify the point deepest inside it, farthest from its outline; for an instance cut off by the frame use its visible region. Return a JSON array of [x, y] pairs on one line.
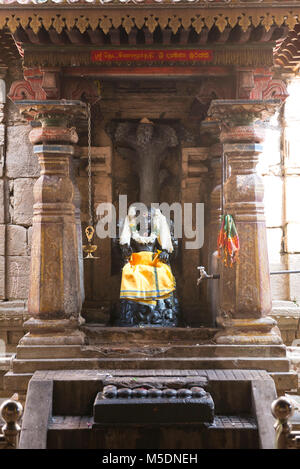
[[228, 241]]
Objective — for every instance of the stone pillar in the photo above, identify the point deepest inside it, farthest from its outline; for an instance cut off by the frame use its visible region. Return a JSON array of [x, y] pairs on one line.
[[55, 295], [193, 190], [245, 294], [210, 130], [74, 165]]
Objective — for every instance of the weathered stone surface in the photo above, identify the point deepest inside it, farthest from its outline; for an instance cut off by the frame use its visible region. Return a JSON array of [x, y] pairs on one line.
[[245, 290], [2, 134], [293, 238], [20, 160], [263, 394], [16, 240], [2, 277], [287, 315], [12, 316], [274, 240], [36, 415], [292, 198], [13, 337], [2, 212], [29, 240], [18, 276], [23, 201], [2, 240], [155, 410]]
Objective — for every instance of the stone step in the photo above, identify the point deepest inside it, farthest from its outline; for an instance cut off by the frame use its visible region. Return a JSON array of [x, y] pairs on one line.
[[5, 361], [226, 432], [150, 351], [269, 364], [285, 381], [126, 335], [16, 382], [14, 305]]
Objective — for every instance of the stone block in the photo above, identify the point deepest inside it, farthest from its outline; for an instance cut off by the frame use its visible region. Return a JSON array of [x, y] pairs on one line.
[[273, 200], [2, 277], [153, 410], [16, 240], [280, 283], [2, 91], [23, 201], [292, 201], [293, 237], [3, 338], [2, 240], [2, 202], [293, 137], [294, 279], [274, 241], [2, 134], [18, 268], [271, 151], [13, 337], [29, 240], [20, 160]]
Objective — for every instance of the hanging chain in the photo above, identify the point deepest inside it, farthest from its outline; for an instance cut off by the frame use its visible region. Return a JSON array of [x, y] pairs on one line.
[[91, 221], [90, 248]]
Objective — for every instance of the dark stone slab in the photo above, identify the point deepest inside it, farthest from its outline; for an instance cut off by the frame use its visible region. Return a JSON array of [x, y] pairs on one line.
[[152, 405]]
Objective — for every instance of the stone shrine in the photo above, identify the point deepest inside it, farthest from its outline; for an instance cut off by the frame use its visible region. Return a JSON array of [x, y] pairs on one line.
[[166, 103]]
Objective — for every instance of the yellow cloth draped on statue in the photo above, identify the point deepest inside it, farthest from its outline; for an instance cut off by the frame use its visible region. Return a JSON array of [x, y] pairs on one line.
[[146, 279]]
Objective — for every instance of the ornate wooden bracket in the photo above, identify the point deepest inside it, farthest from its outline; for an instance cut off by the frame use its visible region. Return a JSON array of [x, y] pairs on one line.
[[267, 87], [81, 89], [51, 82], [21, 90], [45, 84]]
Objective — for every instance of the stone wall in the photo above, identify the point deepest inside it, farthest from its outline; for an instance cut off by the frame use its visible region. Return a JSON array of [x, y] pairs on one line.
[[280, 167], [18, 172]]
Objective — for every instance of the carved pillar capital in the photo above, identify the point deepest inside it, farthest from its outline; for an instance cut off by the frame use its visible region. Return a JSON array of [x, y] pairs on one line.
[[242, 112], [54, 295], [245, 294]]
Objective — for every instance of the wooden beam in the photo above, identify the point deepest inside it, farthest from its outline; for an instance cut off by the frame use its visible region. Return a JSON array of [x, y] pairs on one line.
[[96, 36], [184, 36], [167, 33], [76, 37], [59, 39], [203, 36], [153, 72], [224, 35]]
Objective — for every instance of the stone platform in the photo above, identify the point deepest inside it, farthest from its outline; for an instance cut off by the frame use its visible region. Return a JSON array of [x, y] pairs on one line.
[[59, 411], [149, 348]]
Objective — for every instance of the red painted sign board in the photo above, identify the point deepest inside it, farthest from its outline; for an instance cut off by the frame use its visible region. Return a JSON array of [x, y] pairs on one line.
[[144, 56]]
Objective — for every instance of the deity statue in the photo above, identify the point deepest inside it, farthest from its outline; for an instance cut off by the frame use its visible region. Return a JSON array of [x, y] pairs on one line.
[[147, 293]]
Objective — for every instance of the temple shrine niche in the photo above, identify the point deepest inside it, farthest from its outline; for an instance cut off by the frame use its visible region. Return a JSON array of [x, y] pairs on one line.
[[164, 104]]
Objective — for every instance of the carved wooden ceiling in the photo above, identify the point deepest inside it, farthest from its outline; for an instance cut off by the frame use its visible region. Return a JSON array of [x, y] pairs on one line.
[[287, 52], [138, 2], [42, 27]]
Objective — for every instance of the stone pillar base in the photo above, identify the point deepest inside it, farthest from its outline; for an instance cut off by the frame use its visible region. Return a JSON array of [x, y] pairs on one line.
[[261, 331], [53, 332]]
